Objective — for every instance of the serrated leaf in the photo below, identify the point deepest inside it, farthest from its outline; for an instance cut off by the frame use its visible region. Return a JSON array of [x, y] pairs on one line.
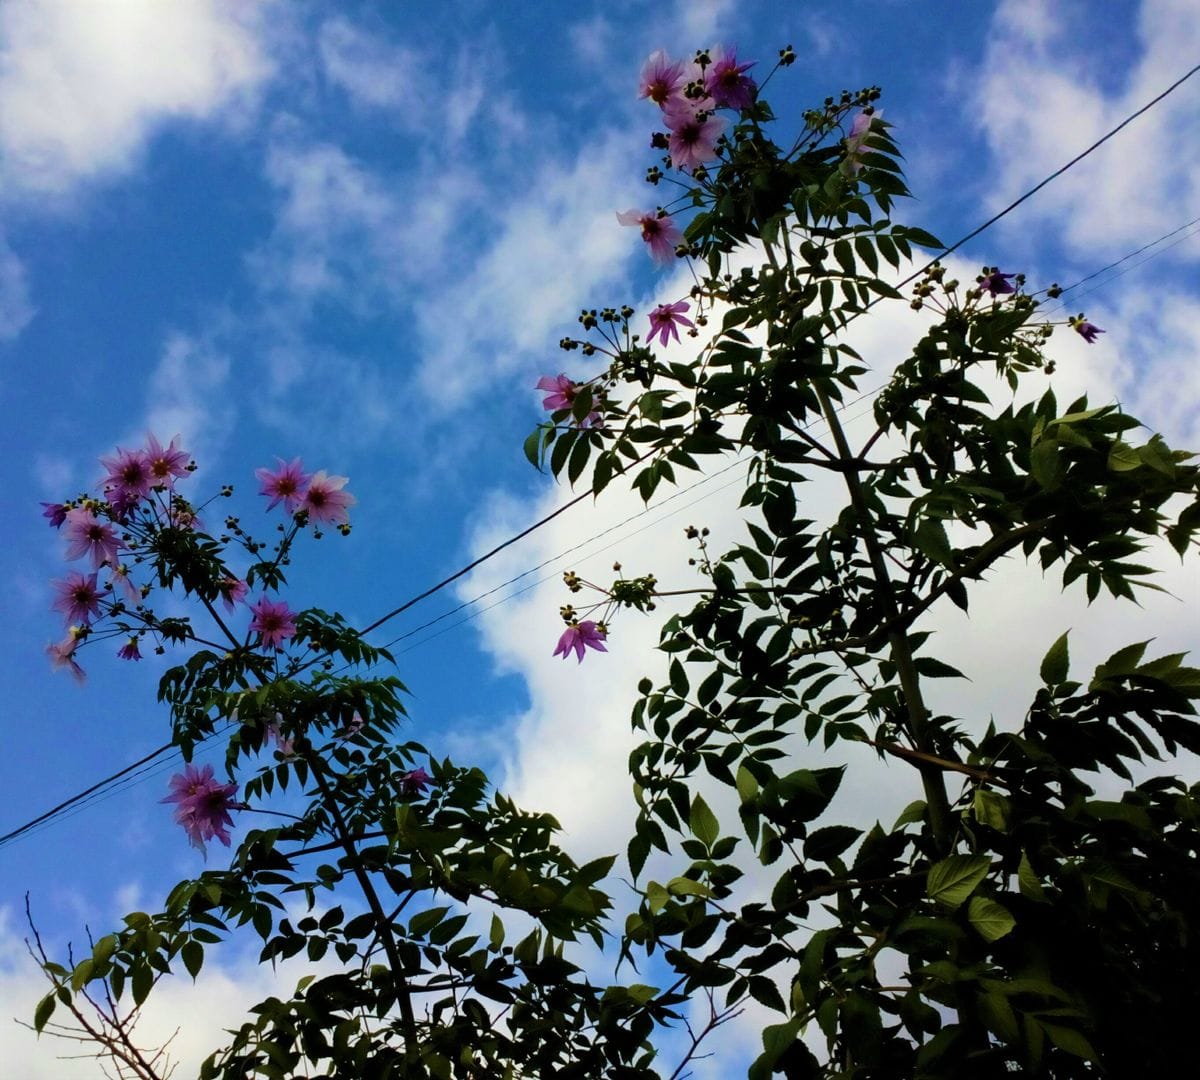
[[992, 809], [1056, 663], [991, 919], [1123, 458], [1028, 882], [703, 823], [1045, 464], [953, 879]]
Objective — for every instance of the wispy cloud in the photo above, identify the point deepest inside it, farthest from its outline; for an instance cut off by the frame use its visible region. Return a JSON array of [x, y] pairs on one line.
[[16, 309], [83, 86]]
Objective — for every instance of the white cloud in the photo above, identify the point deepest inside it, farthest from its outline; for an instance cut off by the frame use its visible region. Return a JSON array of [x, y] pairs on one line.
[[84, 86], [1040, 100], [187, 396], [16, 310]]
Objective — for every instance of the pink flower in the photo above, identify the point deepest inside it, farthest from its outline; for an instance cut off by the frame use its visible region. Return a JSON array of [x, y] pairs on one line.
[[233, 591], [78, 598], [202, 805], [414, 782], [120, 578], [665, 319], [1086, 330], [88, 535], [859, 130], [577, 636], [561, 392], [130, 651], [326, 501], [273, 621], [658, 230], [286, 485], [661, 78], [694, 134], [128, 478], [55, 513], [286, 747], [165, 463], [997, 283], [727, 84], [62, 653]]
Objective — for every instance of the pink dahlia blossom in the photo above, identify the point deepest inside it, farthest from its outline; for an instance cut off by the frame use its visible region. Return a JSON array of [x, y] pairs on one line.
[[130, 650], [658, 230], [88, 535], [859, 130], [286, 485], [727, 84], [694, 134], [326, 501], [78, 598], [996, 283], [202, 805], [665, 320], [233, 592], [577, 636], [128, 478], [62, 653], [561, 392], [273, 621], [662, 79], [414, 782], [55, 513], [120, 580], [165, 463], [1086, 330], [285, 746]]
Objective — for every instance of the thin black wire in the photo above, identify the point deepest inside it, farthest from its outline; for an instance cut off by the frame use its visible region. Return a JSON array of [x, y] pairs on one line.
[[1053, 176], [8, 837]]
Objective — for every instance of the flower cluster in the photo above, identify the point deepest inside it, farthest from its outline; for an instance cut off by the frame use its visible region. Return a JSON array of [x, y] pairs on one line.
[[689, 93], [317, 495], [202, 805]]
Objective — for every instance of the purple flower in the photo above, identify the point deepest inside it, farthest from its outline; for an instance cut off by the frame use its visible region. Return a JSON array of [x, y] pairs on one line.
[[577, 636], [561, 392], [561, 395], [233, 591], [694, 134], [55, 513], [120, 579], [665, 319], [859, 130], [165, 463], [78, 598], [414, 782], [997, 283], [62, 653], [202, 805], [658, 230], [87, 535], [285, 746], [727, 84], [1086, 330], [128, 478], [326, 501], [130, 651], [661, 79], [286, 485], [274, 622]]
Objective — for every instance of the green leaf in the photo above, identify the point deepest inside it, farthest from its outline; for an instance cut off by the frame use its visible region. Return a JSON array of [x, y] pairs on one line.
[[424, 921], [703, 823], [991, 919], [828, 843], [1071, 1041], [193, 957], [1046, 465], [992, 809], [685, 886], [1056, 663], [44, 1010], [952, 880], [1123, 458], [1028, 882], [747, 785], [930, 540]]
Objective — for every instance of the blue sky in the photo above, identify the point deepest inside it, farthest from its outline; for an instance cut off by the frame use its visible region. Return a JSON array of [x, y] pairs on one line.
[[354, 233]]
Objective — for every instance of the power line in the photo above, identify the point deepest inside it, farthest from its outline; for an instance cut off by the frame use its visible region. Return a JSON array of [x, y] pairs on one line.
[[58, 810]]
